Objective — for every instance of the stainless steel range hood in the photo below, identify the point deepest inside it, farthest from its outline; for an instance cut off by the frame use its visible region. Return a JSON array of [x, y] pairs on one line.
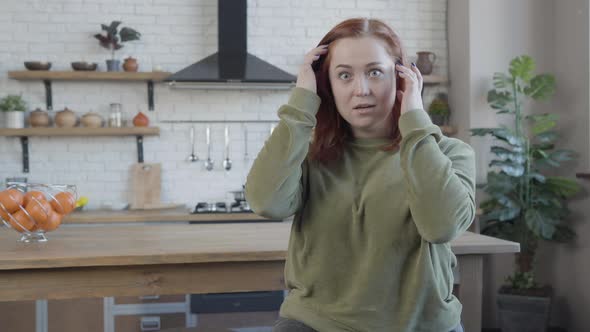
[[232, 67]]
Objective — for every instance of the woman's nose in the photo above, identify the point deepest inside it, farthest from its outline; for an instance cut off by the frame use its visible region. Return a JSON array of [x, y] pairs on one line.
[[361, 87]]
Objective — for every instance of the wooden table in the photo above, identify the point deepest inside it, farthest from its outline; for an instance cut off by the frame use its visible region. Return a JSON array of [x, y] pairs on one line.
[[158, 259]]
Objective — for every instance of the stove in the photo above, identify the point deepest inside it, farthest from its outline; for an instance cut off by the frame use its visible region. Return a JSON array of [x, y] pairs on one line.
[[222, 207]]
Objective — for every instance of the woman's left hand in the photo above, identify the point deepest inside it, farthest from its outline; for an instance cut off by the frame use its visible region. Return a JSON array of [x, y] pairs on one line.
[[411, 96]]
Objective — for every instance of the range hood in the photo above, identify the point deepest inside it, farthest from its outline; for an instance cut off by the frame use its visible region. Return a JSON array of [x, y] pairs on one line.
[[232, 67]]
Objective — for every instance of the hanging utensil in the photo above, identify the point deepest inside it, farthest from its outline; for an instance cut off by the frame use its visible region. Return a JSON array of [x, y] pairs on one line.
[[208, 162], [192, 157], [246, 157], [227, 161]]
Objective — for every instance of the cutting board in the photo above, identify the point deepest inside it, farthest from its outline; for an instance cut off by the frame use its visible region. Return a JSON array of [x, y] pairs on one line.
[[146, 185]]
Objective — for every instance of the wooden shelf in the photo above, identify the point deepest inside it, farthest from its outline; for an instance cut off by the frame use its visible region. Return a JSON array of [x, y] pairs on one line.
[[434, 79], [25, 133], [48, 76], [25, 75], [81, 131]]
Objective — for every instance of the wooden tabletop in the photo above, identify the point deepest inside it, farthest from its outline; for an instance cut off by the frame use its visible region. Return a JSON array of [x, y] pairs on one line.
[[162, 215], [115, 245]]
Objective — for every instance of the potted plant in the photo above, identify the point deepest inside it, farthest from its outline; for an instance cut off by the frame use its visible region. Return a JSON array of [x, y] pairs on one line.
[[112, 40], [525, 204], [13, 107], [439, 110]]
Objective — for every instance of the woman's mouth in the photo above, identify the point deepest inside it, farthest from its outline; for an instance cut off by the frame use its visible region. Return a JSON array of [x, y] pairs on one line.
[[364, 108]]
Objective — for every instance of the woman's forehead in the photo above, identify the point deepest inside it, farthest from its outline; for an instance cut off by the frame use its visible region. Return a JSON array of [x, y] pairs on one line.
[[359, 52]]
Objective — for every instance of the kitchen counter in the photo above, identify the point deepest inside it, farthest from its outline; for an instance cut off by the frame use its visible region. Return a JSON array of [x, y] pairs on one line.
[[161, 215], [101, 260]]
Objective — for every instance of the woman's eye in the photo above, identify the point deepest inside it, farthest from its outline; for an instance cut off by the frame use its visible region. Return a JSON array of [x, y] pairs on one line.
[[375, 73], [344, 76]]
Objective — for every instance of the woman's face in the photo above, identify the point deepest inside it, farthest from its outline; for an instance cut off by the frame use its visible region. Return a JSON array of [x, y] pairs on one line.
[[362, 77]]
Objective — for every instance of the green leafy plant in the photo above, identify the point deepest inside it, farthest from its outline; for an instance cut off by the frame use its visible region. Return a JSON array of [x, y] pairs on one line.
[[13, 103], [439, 106], [439, 110], [113, 38], [525, 204]]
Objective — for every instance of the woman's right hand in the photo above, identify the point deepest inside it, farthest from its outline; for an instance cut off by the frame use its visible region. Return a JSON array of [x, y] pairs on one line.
[[306, 78]]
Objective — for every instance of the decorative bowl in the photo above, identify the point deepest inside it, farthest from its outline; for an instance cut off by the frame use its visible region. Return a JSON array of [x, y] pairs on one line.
[[34, 209], [84, 66], [37, 65]]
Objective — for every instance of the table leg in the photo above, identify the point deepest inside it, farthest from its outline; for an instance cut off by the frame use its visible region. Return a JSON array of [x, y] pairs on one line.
[[41, 316], [470, 290]]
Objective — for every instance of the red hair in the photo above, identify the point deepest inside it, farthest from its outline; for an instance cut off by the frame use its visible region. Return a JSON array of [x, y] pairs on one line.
[[332, 130]]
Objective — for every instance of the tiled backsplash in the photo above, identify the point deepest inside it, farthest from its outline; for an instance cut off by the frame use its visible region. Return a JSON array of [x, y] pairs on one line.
[[175, 33]]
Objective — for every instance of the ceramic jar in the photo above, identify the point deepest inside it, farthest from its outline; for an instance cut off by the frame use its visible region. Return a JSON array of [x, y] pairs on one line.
[[141, 120], [91, 120], [65, 118], [130, 64], [39, 118], [425, 62]]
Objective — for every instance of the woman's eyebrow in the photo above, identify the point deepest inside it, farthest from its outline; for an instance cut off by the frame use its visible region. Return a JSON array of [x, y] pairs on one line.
[[367, 65]]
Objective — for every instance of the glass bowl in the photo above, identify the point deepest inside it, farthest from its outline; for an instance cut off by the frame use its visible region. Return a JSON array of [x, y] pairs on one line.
[[34, 209]]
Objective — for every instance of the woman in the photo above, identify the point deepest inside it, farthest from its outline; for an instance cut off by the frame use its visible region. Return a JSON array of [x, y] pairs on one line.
[[377, 191]]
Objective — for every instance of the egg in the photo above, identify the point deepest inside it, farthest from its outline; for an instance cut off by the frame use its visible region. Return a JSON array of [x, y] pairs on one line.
[[34, 193], [11, 199], [21, 222], [63, 203], [39, 211], [53, 221]]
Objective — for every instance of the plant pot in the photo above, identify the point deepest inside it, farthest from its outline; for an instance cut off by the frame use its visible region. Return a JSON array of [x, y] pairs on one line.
[[520, 313], [439, 120], [113, 65], [14, 119]]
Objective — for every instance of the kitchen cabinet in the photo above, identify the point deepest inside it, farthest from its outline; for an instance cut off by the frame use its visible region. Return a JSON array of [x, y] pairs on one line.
[[88, 314], [75, 315], [151, 322], [17, 316], [25, 133], [72, 315]]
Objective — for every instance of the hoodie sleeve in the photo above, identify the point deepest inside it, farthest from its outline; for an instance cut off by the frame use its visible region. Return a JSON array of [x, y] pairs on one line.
[[440, 174], [274, 186]]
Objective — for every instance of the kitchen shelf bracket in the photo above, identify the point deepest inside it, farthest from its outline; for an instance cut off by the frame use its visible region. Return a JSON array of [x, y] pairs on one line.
[[150, 91], [24, 141], [139, 149], [48, 95]]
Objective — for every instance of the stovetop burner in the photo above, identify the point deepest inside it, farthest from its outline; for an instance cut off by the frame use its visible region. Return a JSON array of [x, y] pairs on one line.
[[221, 207]]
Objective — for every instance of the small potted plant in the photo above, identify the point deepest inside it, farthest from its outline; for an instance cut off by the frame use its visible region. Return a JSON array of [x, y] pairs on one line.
[[112, 40], [13, 107], [439, 110]]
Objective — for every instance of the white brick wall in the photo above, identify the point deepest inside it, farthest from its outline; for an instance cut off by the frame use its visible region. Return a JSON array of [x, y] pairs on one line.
[[175, 33]]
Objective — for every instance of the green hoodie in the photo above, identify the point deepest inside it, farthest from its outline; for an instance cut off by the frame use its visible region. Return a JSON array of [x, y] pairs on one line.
[[369, 247]]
